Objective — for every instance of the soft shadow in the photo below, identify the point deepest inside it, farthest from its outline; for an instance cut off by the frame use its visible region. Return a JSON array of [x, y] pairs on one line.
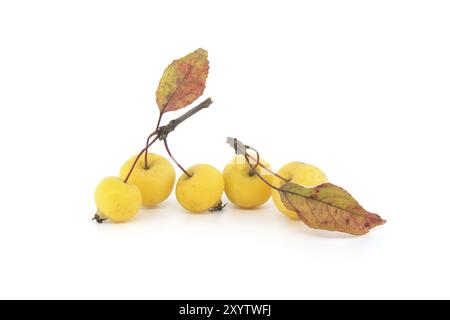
[[147, 213], [315, 233], [260, 208]]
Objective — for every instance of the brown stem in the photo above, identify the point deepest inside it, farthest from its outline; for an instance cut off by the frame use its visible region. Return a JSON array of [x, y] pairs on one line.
[[148, 139], [246, 155], [159, 120], [241, 148], [137, 158], [258, 163], [268, 169], [146, 148], [176, 162]]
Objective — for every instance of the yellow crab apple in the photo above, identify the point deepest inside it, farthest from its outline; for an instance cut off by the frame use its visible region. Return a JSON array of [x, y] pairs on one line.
[[242, 186], [116, 200], [155, 181], [201, 189]]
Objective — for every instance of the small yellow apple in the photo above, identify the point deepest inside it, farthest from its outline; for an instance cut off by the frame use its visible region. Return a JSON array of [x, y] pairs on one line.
[[243, 187], [301, 173], [155, 182], [202, 190], [116, 200]]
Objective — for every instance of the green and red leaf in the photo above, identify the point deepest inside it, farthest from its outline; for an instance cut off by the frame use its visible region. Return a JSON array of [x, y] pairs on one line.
[[183, 81], [329, 207]]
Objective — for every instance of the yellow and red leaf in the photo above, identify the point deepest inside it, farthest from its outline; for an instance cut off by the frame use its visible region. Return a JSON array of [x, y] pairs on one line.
[[329, 207], [183, 81]]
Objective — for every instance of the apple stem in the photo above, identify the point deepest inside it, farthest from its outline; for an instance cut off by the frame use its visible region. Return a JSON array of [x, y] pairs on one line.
[[138, 156], [241, 148], [174, 160], [259, 175], [268, 169], [159, 120], [148, 139]]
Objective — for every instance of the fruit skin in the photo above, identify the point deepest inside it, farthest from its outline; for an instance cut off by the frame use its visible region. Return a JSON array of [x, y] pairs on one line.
[[301, 173], [201, 191], [156, 183], [116, 200], [244, 189]]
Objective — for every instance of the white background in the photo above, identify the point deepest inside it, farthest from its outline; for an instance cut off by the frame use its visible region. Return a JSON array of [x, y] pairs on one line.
[[358, 88]]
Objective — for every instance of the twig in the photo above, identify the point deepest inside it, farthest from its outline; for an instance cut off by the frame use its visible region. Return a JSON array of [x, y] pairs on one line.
[[165, 130]]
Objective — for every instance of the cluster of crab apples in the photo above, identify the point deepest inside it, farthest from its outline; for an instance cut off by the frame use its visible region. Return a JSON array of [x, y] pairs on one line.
[[200, 188]]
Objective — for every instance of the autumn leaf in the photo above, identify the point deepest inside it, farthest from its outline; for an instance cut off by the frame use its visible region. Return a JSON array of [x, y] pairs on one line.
[[328, 207], [183, 81]]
